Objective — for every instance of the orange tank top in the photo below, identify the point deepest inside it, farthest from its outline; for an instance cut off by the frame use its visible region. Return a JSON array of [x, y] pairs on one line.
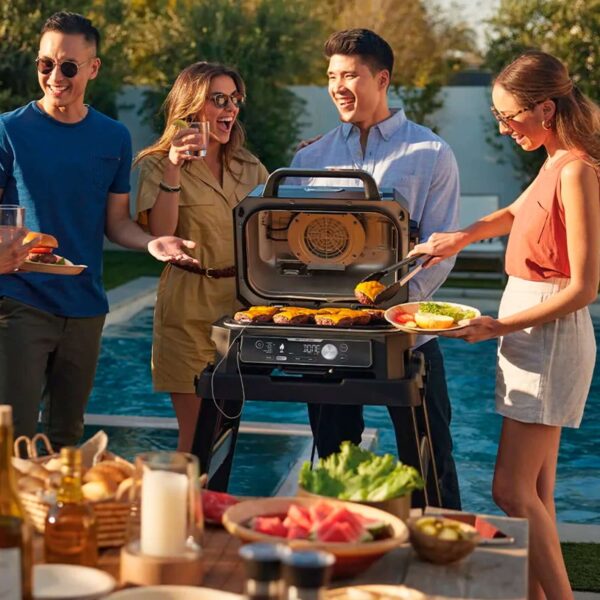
[[537, 244]]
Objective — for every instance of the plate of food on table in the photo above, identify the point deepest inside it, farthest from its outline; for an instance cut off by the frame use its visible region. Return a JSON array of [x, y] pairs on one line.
[[43, 259], [430, 316]]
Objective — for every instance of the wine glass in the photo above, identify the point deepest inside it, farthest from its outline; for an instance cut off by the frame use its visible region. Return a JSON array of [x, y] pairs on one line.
[[12, 222]]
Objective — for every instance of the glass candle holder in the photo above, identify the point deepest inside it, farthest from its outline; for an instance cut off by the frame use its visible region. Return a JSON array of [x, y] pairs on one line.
[[166, 522]]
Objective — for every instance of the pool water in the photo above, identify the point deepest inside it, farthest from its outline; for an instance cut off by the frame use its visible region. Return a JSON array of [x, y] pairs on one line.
[[123, 387]]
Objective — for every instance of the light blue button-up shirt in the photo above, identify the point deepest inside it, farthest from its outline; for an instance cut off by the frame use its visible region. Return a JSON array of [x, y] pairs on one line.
[[406, 156]]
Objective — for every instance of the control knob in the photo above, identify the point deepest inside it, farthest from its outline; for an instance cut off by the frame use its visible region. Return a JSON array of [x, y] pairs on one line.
[[329, 351]]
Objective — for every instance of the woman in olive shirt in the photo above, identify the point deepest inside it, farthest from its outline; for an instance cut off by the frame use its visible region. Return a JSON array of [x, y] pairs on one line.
[[193, 197]]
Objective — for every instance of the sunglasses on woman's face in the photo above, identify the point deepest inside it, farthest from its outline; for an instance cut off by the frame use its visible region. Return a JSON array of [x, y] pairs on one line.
[[220, 100], [69, 68]]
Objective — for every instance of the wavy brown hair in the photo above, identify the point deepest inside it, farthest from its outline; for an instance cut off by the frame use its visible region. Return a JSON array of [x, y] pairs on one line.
[[537, 76], [185, 101]]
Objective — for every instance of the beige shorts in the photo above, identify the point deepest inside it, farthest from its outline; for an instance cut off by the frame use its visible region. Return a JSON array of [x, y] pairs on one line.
[[544, 373]]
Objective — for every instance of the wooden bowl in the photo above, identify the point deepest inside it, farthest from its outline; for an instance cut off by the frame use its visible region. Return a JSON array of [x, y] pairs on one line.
[[350, 557], [433, 549], [399, 507]]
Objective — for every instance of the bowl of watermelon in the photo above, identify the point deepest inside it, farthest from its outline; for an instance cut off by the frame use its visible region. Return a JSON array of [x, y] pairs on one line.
[[354, 533]]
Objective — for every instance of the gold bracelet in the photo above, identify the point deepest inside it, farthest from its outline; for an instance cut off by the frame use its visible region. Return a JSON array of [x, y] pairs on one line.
[[169, 188]]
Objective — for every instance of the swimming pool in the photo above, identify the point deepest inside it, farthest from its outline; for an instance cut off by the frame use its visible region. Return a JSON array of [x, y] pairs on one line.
[[123, 387]]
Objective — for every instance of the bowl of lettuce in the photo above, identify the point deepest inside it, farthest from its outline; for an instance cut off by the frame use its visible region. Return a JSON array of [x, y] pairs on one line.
[[358, 475]]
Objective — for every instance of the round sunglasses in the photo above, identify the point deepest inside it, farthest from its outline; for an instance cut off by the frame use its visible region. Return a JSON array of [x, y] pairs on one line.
[[69, 68], [220, 99]]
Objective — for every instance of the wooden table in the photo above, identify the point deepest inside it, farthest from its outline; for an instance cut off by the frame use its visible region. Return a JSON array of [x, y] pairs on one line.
[[489, 573]]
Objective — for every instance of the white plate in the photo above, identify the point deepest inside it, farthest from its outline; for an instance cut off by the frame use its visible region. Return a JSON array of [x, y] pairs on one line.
[[413, 307], [51, 582], [375, 592], [38, 267], [172, 592]]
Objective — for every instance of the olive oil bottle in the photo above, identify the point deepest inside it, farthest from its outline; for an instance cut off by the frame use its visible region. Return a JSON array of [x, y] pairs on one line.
[[15, 531], [70, 535]]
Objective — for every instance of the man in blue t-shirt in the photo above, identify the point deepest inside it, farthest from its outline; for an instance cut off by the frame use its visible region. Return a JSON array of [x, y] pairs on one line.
[[69, 166]]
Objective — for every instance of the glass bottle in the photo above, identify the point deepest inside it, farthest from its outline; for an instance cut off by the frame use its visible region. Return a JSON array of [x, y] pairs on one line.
[[15, 531], [70, 535]]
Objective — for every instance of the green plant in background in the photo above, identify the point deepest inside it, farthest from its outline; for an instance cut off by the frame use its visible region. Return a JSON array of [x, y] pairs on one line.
[[569, 29]]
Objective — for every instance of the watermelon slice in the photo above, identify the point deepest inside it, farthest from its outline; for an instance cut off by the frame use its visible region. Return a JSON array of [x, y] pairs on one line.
[[270, 526]]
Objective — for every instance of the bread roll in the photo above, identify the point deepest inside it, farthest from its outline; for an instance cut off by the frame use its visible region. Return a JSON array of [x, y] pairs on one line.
[[98, 490], [31, 484], [39, 472], [104, 471], [54, 464], [121, 465]]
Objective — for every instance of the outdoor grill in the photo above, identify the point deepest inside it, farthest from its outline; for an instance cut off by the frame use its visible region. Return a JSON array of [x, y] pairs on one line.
[[309, 247]]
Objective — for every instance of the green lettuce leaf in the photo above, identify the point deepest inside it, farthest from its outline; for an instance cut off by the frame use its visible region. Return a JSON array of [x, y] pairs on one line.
[[357, 474], [441, 308]]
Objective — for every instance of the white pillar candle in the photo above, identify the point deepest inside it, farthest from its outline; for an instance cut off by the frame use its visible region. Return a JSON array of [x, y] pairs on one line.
[[164, 513]]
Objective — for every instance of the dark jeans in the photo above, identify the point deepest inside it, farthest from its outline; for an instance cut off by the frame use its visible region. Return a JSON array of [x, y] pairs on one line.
[[332, 424], [50, 361]]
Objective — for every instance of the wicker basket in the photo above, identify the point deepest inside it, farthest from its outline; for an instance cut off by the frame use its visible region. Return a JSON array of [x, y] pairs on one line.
[[111, 515]]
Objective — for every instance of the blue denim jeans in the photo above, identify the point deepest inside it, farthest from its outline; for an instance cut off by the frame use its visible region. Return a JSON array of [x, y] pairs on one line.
[[332, 424]]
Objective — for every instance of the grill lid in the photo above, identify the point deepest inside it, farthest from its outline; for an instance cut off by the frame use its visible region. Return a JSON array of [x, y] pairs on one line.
[[311, 245]]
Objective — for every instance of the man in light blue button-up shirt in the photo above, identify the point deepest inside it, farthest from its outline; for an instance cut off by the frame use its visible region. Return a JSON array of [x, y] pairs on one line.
[[406, 156]]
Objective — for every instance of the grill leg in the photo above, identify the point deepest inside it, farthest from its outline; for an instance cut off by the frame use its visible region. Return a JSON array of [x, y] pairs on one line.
[[433, 494], [214, 442]]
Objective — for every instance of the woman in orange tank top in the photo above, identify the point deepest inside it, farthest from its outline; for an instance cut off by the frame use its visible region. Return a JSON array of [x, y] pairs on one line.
[[547, 350]]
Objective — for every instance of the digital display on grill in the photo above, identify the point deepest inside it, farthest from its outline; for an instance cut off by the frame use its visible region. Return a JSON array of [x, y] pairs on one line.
[[300, 351]]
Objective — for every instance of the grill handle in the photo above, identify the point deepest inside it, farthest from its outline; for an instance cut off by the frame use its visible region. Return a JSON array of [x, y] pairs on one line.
[[271, 188]]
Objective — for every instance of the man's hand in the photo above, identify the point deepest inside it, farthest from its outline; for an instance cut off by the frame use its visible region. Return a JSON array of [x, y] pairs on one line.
[[169, 248], [14, 252]]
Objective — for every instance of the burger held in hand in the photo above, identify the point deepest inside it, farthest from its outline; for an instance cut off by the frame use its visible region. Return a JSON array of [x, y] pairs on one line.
[[43, 251]]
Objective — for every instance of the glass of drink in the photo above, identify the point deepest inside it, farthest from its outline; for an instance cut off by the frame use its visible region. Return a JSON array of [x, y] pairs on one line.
[[203, 128], [12, 221]]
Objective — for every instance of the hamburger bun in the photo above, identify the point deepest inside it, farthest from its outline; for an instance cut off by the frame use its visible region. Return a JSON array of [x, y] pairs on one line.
[[45, 241], [431, 321]]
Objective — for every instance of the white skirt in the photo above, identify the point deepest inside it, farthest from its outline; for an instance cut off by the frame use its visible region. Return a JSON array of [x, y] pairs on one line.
[[544, 373]]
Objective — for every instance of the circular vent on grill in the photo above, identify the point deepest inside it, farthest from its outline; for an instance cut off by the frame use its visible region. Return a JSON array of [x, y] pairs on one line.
[[326, 238]]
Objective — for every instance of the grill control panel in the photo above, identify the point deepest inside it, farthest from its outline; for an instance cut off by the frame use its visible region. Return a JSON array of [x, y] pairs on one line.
[[306, 351]]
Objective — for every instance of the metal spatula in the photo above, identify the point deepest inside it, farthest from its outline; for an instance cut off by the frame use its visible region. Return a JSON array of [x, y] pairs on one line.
[[377, 275]]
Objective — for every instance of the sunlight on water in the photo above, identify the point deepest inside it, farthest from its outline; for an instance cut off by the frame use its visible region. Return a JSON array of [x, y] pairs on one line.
[[123, 386]]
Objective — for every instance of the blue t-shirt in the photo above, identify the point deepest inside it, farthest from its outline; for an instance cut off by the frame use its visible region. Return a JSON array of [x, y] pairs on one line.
[[62, 174]]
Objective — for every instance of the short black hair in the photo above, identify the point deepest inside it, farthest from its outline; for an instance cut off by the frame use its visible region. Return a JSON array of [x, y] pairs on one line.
[[366, 44], [72, 24]]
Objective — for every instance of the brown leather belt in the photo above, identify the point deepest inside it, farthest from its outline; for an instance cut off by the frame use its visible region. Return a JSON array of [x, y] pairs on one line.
[[207, 272]]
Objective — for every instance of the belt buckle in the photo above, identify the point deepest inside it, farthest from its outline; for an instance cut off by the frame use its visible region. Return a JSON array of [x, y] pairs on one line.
[[207, 273]]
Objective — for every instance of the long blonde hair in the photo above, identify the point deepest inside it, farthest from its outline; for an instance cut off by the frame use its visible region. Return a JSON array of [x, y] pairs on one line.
[[187, 98], [537, 76]]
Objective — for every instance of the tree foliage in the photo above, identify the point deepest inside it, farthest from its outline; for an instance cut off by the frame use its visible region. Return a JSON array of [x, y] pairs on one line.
[[427, 45], [273, 43], [268, 41], [569, 29]]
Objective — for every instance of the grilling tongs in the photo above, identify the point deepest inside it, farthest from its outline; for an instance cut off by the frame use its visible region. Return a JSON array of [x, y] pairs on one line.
[[391, 290]]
